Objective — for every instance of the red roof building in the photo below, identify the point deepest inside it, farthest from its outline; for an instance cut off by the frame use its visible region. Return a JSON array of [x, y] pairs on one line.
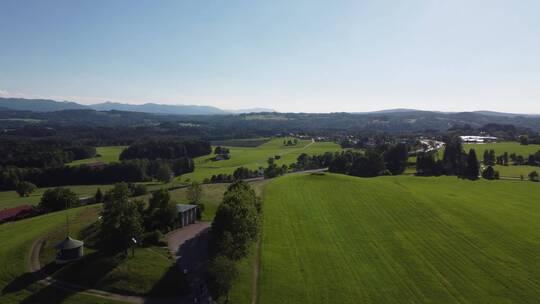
[[18, 212]]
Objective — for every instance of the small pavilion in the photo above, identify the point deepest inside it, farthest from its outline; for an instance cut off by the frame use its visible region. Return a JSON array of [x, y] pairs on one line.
[[69, 250]]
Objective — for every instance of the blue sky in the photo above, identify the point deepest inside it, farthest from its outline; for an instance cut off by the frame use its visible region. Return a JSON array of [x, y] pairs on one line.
[[300, 56]]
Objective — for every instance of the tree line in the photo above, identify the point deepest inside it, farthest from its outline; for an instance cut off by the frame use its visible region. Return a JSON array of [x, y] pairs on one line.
[[455, 161], [166, 149], [41, 153], [159, 159], [136, 170], [234, 229]]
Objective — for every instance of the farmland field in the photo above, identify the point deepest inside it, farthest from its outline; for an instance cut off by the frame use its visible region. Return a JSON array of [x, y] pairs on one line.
[[254, 158], [341, 239], [107, 155]]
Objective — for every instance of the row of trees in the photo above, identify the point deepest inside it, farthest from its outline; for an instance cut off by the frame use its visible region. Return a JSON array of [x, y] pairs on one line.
[[136, 170], [166, 149], [234, 229], [455, 162], [504, 159], [41, 153], [387, 160]]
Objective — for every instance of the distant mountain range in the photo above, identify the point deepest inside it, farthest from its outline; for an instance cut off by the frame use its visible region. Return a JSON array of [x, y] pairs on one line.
[[46, 105]]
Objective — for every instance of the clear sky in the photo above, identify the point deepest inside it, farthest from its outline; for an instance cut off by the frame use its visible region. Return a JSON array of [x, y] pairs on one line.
[[300, 56]]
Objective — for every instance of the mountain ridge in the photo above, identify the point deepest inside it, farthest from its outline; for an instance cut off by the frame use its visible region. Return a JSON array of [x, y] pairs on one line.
[[49, 105]]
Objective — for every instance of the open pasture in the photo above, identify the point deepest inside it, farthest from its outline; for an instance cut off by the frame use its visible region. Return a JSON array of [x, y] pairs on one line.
[[106, 154], [254, 158], [341, 239]]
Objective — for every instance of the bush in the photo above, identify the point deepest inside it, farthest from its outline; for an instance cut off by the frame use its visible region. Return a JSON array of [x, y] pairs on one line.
[[58, 199], [137, 189], [533, 176], [152, 238]]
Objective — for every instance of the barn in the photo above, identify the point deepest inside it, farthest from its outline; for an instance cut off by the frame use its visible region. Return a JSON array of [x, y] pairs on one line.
[[187, 214]]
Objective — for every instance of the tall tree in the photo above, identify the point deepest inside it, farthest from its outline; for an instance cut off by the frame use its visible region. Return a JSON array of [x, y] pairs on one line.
[[221, 274], [58, 199], [98, 197], [121, 219], [396, 159], [236, 223], [25, 188], [164, 173], [161, 213], [473, 168]]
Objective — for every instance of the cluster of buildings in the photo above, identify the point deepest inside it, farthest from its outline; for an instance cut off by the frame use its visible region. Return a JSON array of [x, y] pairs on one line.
[[478, 139]]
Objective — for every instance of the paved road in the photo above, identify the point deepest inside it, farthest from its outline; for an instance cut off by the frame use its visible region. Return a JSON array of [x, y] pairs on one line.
[[179, 236]]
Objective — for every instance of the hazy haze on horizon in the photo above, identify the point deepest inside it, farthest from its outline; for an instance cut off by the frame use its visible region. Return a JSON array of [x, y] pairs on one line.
[[291, 56]]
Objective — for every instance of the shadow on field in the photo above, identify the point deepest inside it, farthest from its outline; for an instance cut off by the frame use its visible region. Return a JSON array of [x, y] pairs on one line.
[[27, 279], [94, 267]]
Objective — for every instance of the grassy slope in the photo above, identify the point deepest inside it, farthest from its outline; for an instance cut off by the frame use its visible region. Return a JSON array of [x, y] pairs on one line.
[[10, 199], [16, 284], [256, 157], [149, 272], [108, 154], [340, 239]]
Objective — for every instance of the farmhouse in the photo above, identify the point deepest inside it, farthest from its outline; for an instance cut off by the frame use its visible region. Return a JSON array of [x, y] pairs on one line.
[[187, 214]]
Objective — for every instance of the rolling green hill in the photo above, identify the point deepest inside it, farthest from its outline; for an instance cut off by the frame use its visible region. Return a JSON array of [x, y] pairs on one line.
[[106, 154], [255, 157], [341, 239]]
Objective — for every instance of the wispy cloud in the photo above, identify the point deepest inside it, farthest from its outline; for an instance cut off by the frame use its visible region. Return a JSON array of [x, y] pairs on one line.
[[4, 93]]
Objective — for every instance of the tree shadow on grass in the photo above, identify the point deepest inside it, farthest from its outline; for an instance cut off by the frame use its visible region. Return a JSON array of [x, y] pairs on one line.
[[172, 284], [186, 277], [74, 277], [25, 280]]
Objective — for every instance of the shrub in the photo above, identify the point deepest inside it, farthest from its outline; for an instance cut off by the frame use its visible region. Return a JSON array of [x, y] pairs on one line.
[[152, 238]]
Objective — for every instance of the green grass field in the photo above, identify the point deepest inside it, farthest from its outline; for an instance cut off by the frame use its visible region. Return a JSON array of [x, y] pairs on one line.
[[500, 148], [254, 158], [341, 239], [107, 155], [150, 272], [10, 199], [17, 285]]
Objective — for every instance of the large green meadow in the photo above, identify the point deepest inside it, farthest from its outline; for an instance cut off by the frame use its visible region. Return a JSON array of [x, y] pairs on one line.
[[107, 154], [510, 147], [339, 239], [255, 157]]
